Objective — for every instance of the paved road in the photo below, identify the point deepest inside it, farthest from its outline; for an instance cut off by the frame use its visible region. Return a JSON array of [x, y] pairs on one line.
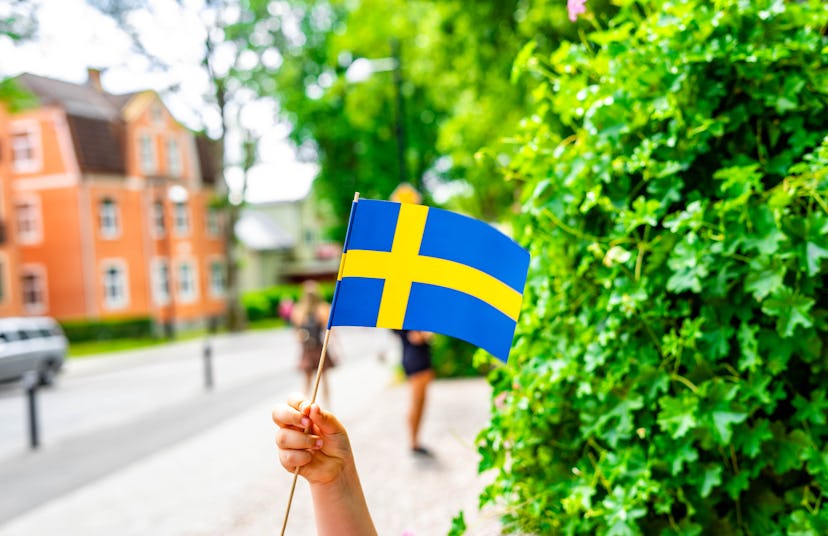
[[108, 412]]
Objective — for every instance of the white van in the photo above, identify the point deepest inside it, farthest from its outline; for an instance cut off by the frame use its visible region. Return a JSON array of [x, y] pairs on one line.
[[31, 343]]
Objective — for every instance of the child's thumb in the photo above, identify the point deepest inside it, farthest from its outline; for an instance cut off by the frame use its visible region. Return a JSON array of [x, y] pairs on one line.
[[325, 421]]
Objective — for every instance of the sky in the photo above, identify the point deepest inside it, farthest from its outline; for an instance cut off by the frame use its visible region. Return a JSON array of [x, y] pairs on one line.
[[63, 52]]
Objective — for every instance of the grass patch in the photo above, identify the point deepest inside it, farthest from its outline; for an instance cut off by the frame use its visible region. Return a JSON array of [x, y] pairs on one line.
[[266, 323], [87, 348]]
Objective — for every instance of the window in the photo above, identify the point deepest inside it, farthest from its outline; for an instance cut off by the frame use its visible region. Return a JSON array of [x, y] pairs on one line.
[[159, 223], [2, 279], [27, 213], [187, 291], [217, 278], [161, 281], [156, 113], [213, 226], [173, 157], [148, 164], [33, 285], [116, 294], [25, 147], [182, 218], [108, 214]]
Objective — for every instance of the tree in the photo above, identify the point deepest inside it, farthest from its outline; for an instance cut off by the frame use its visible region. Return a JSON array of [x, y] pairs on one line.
[[18, 22]]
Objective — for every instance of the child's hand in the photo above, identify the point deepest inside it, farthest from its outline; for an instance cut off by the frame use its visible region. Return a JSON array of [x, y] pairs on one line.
[[311, 439]]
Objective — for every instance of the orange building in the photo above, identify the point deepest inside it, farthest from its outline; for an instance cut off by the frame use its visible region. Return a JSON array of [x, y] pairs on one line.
[[108, 198]]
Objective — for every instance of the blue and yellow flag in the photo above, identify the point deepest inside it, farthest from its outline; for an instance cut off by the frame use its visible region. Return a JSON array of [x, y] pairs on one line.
[[407, 266]]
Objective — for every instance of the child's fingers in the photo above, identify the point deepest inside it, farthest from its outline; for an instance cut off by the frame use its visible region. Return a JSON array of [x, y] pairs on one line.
[[291, 459], [290, 439], [295, 400], [285, 415]]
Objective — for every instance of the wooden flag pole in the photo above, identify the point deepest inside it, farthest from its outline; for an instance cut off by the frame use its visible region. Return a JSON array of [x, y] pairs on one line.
[[315, 385], [313, 399]]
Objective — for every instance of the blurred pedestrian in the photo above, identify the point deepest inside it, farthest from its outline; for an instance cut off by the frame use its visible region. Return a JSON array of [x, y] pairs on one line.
[[285, 308], [310, 318], [416, 362]]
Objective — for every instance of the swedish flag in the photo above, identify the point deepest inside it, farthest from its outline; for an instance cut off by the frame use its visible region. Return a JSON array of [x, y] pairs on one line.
[[407, 266]]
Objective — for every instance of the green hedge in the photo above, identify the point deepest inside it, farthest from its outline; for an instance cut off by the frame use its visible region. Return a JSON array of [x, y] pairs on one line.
[[107, 330], [264, 303], [670, 372], [455, 358]]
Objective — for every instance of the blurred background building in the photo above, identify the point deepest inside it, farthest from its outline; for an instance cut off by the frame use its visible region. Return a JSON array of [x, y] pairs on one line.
[[107, 208], [283, 242]]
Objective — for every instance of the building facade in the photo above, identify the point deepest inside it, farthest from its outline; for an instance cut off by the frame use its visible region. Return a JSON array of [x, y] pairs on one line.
[[282, 242], [106, 200]]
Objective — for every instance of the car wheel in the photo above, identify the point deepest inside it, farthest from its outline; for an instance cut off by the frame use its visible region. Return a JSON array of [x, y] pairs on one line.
[[47, 374]]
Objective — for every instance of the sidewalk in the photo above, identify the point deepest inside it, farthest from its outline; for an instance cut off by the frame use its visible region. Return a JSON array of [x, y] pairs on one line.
[[227, 480]]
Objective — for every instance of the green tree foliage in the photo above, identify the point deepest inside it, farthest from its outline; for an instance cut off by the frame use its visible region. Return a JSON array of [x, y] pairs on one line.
[[460, 106], [17, 23], [669, 375]]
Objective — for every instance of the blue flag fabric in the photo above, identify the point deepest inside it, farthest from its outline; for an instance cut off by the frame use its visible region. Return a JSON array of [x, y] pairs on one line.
[[412, 267]]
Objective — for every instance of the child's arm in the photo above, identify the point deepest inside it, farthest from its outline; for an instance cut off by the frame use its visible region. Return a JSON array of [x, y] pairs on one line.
[[327, 463]]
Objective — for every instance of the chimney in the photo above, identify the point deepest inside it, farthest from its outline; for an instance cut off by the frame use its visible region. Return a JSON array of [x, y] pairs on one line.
[[93, 78]]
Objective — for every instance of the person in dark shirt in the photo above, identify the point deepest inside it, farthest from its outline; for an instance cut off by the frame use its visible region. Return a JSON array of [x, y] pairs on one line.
[[416, 362]]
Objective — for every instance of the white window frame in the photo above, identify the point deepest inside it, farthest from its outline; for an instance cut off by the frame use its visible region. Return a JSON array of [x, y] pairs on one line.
[[30, 232], [159, 218], [161, 281], [29, 131], [217, 285], [146, 153], [109, 219], [38, 272], [174, 161], [4, 282], [190, 294], [120, 300], [181, 218], [213, 222]]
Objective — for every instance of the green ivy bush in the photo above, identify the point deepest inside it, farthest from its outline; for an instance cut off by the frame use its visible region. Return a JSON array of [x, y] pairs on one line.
[[669, 375]]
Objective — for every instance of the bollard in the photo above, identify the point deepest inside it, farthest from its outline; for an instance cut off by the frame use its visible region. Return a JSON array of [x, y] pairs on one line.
[[30, 383], [208, 364]]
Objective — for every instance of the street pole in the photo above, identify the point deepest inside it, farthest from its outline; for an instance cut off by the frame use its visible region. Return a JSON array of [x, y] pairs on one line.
[[208, 364], [30, 382], [399, 126]]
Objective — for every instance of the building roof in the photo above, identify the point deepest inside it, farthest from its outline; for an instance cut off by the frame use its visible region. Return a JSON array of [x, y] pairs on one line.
[[258, 232], [97, 123], [83, 100]]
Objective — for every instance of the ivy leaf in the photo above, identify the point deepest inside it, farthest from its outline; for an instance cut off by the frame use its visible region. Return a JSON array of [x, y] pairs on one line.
[[723, 421], [766, 275], [812, 411], [754, 438], [815, 255], [711, 478], [790, 309], [767, 236], [688, 268], [749, 357], [678, 415]]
